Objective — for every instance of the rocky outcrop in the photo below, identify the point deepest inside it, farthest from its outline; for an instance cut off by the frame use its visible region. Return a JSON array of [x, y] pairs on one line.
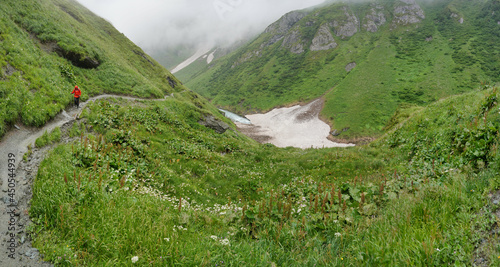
[[323, 40], [213, 123], [78, 59], [347, 26], [280, 30], [407, 12], [460, 19], [143, 55], [374, 19], [293, 41], [283, 25], [171, 82]]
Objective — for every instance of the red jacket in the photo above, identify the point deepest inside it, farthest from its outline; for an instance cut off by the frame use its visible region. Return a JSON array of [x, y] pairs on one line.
[[77, 92]]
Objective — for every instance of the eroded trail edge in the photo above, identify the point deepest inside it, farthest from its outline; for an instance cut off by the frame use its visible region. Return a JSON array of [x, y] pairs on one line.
[[17, 178]]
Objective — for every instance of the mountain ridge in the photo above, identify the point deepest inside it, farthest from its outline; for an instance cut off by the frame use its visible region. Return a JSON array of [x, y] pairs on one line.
[[414, 39]]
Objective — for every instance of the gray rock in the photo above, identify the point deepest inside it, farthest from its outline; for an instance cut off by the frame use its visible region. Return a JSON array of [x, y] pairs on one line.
[[375, 19], [293, 41], [323, 40], [281, 27], [285, 23], [408, 12], [346, 27], [214, 123], [32, 253], [350, 66]]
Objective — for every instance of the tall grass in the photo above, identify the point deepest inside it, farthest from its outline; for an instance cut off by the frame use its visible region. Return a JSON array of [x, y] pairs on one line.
[[154, 184], [36, 78]]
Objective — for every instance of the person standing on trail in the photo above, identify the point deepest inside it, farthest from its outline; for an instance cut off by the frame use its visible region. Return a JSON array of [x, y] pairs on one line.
[[77, 94]]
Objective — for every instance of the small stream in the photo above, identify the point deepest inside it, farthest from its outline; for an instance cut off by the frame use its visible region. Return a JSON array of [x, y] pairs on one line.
[[235, 118]]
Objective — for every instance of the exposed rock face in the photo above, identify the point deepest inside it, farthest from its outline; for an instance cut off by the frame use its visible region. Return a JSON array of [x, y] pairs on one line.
[[375, 19], [213, 123], [323, 40], [78, 59], [460, 20], [293, 41], [282, 26], [408, 12], [171, 82], [346, 27], [140, 53], [279, 30]]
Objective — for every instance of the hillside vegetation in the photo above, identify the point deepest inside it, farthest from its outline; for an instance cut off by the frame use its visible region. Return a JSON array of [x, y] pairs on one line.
[[150, 182], [368, 58], [47, 47], [144, 183]]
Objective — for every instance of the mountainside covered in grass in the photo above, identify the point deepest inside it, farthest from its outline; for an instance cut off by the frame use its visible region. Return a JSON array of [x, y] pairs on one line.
[[144, 183], [148, 183], [49, 46], [366, 57]]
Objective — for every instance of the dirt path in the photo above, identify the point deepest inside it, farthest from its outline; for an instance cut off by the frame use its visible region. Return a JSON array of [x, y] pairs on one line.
[[297, 126], [16, 185]]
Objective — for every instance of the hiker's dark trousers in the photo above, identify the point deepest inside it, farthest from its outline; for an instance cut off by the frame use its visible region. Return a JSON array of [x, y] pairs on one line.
[[77, 102]]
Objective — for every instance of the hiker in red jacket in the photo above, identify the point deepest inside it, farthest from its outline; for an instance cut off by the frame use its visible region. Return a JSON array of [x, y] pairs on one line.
[[77, 93]]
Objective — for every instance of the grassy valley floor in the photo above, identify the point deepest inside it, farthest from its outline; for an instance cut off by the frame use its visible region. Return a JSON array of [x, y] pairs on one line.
[[148, 184]]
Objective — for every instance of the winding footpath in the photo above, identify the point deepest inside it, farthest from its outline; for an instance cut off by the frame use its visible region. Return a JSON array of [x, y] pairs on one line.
[[16, 185]]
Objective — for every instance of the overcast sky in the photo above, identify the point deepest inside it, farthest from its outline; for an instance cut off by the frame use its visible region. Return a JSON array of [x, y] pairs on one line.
[[154, 24]]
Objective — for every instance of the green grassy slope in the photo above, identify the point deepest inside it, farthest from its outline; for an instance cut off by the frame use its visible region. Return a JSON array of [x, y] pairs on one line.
[[144, 180], [47, 47], [398, 64], [150, 182]]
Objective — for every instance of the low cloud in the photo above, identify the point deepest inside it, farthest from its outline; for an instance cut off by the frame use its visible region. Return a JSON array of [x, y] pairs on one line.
[[160, 24]]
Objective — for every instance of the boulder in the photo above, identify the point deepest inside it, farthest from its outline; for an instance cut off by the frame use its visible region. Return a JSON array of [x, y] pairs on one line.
[[350, 66], [213, 123]]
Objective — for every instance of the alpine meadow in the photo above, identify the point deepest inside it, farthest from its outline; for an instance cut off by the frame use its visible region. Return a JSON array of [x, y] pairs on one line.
[[153, 174]]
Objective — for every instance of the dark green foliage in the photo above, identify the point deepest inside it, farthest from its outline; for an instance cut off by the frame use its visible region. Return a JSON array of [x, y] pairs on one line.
[[47, 47], [419, 194], [451, 51]]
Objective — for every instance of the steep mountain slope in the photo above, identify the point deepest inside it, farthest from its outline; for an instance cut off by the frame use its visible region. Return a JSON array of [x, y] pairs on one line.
[[368, 58], [144, 183], [47, 47]]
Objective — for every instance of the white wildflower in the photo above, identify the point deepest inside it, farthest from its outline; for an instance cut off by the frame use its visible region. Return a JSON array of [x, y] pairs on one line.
[[135, 259], [338, 234], [225, 242], [213, 237], [166, 239]]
